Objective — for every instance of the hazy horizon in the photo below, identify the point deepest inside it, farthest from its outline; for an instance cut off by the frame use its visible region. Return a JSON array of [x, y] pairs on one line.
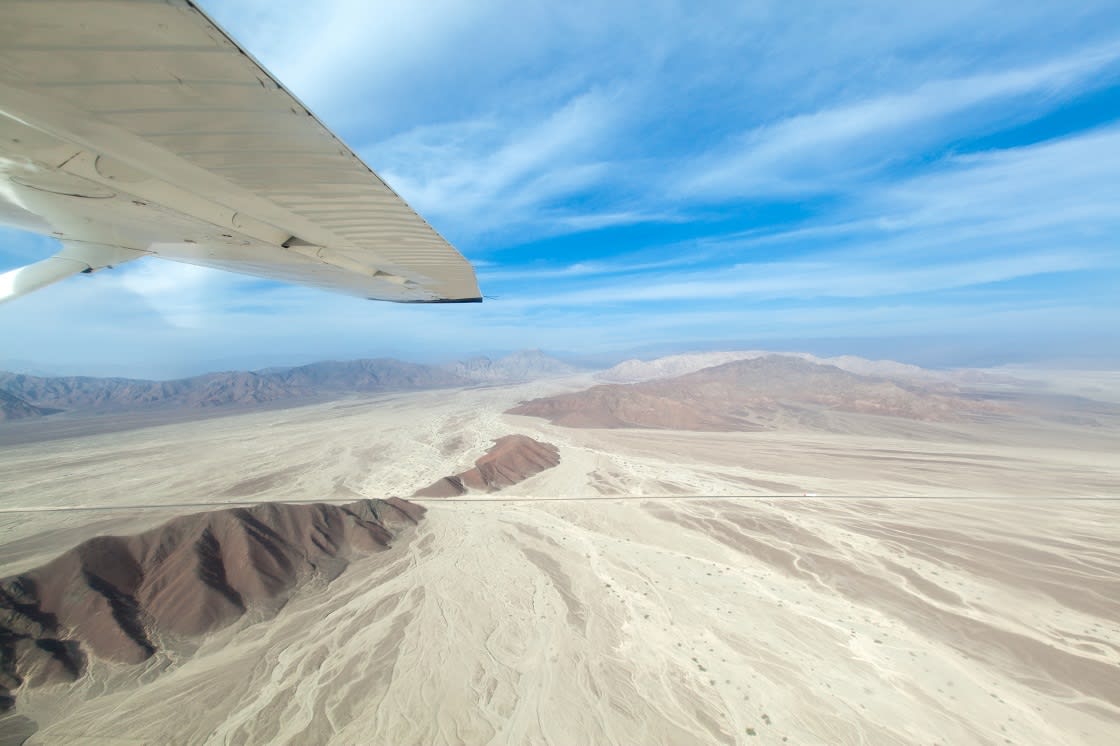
[[929, 353]]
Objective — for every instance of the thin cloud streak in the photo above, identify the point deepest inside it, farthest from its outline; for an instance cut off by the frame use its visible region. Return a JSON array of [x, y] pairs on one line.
[[477, 175], [835, 279], [979, 220], [807, 153]]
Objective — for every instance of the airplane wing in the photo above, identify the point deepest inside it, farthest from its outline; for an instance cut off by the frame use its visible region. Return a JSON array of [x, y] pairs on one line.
[[133, 128]]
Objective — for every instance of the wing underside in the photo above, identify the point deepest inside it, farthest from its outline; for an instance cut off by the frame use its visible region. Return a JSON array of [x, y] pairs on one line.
[[141, 125]]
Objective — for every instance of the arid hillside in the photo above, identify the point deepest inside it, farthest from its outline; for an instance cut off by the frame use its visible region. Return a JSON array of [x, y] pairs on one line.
[[123, 598], [14, 408], [633, 371], [306, 382], [512, 460], [750, 394]]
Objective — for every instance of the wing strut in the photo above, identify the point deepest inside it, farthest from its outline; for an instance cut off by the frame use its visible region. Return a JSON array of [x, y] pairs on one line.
[[75, 258]]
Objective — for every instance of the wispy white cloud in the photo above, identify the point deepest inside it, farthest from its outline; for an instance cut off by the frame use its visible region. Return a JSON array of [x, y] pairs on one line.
[[479, 174], [972, 220], [503, 120], [182, 295], [834, 277], [621, 265], [816, 152], [1070, 182], [495, 176]]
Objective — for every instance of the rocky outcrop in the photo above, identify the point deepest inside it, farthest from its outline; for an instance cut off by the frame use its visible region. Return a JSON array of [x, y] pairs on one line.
[[512, 459], [121, 597]]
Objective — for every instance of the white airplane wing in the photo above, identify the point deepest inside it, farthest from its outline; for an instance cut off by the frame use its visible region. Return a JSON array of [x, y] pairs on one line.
[[131, 128]]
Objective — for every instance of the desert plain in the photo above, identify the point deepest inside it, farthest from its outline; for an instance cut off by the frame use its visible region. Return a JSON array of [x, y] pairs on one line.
[[835, 578]]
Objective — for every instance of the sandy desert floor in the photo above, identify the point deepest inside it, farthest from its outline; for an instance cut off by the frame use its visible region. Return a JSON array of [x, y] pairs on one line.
[[394, 444], [950, 619], [664, 621]]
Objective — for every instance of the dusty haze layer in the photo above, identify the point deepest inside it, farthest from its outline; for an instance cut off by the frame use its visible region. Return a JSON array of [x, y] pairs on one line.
[[619, 621]]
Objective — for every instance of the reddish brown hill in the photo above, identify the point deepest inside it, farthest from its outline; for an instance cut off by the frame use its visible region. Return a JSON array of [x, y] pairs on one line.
[[512, 459], [118, 597], [744, 394]]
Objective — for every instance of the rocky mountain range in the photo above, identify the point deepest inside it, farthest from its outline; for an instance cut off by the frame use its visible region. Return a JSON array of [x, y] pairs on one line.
[[27, 396], [748, 394], [632, 371], [526, 365]]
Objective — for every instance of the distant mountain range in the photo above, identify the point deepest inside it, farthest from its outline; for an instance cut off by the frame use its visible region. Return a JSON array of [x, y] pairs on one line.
[[751, 394], [26, 396], [527, 365], [223, 389], [632, 371], [782, 377]]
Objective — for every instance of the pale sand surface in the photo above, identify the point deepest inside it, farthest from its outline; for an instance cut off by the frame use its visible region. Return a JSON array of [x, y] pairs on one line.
[[393, 445], [619, 621], [665, 621]]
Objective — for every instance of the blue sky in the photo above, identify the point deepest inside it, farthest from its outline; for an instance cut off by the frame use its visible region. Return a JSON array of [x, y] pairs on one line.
[[930, 181]]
